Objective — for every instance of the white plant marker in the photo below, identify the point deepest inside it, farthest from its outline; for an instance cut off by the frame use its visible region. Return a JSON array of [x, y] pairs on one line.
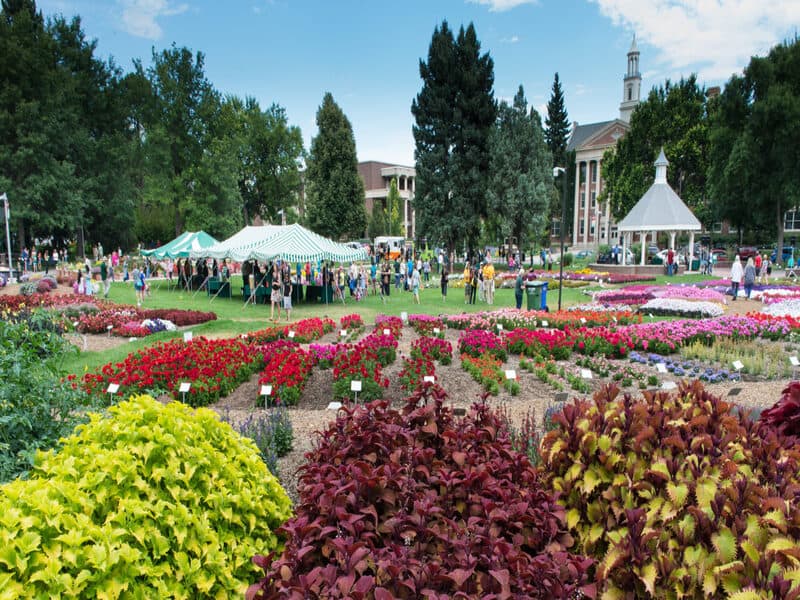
[[511, 374], [291, 335], [429, 379], [266, 392], [183, 389], [661, 367], [355, 387], [586, 373], [187, 336]]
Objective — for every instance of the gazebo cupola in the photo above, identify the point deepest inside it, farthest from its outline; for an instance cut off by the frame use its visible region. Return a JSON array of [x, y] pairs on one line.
[[660, 209]]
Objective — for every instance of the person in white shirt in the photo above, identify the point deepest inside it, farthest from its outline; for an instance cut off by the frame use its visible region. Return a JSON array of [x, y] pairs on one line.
[[737, 272]]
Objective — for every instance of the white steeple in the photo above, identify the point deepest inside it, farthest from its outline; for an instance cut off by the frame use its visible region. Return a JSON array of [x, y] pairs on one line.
[[632, 84]]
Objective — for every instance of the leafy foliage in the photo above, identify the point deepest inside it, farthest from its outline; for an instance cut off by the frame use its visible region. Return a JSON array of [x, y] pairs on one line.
[[785, 415], [37, 408], [149, 500], [413, 504], [676, 495], [271, 431]]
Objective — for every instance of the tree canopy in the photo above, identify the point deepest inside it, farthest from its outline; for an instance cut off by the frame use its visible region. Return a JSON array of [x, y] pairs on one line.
[[454, 115], [335, 190], [521, 179], [754, 152], [673, 116]]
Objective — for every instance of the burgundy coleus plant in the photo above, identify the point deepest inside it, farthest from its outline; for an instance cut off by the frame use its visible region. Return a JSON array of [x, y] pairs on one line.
[[784, 416]]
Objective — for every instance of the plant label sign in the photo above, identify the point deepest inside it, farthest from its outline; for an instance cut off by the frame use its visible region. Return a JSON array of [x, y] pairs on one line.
[[404, 316], [266, 390], [343, 333], [75, 324], [511, 374], [113, 388], [436, 331], [355, 386], [738, 365], [545, 324], [184, 387], [187, 336], [583, 320], [586, 373], [387, 332], [291, 335], [661, 367], [668, 385], [429, 379], [794, 361], [334, 405], [499, 327]]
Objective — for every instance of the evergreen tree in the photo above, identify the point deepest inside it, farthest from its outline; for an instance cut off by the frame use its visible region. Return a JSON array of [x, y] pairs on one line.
[[391, 214], [454, 116], [376, 226], [335, 190], [557, 125], [521, 172], [673, 116]]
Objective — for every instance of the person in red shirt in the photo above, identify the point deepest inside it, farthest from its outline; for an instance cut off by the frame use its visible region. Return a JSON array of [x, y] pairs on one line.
[[757, 262], [670, 262]]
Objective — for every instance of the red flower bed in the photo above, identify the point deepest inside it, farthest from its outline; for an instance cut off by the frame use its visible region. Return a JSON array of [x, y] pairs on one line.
[[119, 315], [421, 505], [425, 324], [286, 368], [181, 318], [352, 322], [545, 343], [213, 367], [432, 349], [393, 324], [364, 362], [16, 302], [415, 369], [308, 330]]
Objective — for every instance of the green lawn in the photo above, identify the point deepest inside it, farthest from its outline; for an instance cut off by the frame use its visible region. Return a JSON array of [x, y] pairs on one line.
[[235, 319]]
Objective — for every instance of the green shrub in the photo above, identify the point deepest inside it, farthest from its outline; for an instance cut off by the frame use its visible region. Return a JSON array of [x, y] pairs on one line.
[[271, 431], [151, 501], [677, 495]]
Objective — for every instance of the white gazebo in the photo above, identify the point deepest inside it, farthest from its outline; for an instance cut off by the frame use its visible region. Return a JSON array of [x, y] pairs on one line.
[[660, 209]]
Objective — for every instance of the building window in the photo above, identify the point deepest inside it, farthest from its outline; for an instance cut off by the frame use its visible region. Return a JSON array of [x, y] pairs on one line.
[[791, 220], [630, 93], [716, 228], [591, 229], [583, 200], [583, 172], [594, 172], [594, 198], [733, 229], [613, 233], [581, 227], [555, 228]]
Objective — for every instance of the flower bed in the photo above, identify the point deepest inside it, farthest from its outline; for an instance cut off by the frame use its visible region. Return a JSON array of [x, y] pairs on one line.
[[213, 367], [352, 322], [308, 330], [393, 324], [487, 370], [544, 343], [425, 324], [686, 368], [14, 303], [286, 368], [673, 307], [432, 349], [363, 362], [120, 316], [414, 371], [478, 342], [530, 319], [326, 354]]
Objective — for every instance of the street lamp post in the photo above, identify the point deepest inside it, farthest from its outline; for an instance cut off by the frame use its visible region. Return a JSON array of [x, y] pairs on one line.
[[563, 171], [4, 197]]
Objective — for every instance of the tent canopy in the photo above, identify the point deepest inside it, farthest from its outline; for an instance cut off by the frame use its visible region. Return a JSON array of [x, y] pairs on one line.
[[182, 246], [239, 243], [660, 209], [293, 243]]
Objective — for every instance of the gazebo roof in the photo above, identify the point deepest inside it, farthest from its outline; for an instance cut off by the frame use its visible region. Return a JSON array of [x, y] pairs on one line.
[[660, 209]]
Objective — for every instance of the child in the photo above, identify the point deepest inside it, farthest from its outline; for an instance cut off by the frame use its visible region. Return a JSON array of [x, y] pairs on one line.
[[287, 295]]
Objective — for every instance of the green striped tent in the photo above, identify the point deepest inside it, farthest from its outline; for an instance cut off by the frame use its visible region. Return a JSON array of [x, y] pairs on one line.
[[182, 246]]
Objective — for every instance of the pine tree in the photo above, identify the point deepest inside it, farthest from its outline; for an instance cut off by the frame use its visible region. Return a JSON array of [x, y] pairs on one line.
[[335, 191], [557, 131], [454, 116], [521, 173], [391, 213]]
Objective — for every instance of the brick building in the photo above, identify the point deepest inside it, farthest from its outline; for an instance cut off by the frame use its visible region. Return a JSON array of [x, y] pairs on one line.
[[377, 177]]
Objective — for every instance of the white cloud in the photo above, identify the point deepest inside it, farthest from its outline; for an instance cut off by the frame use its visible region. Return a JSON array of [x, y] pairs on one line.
[[502, 5], [715, 38], [510, 40], [580, 89], [140, 17]]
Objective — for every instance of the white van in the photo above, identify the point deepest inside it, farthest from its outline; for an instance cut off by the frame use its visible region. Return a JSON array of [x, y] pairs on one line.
[[393, 245]]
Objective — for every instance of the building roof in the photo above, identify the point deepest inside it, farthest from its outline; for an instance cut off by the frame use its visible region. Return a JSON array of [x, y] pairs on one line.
[[582, 133], [660, 209]]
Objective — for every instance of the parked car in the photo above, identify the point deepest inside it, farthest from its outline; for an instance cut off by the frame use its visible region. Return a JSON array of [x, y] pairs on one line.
[[720, 254], [652, 250], [746, 252], [606, 258], [787, 252], [584, 254], [662, 254]]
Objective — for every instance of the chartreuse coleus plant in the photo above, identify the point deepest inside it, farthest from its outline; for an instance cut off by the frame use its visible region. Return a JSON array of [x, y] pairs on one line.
[[677, 496], [150, 501]]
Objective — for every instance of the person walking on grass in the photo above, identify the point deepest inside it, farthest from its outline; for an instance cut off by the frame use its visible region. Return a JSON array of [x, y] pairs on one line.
[[287, 293], [749, 277], [467, 283], [275, 294], [443, 283], [415, 284], [518, 283], [737, 272]]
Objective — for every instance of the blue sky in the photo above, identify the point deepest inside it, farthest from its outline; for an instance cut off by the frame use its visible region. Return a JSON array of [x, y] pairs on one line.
[[367, 52]]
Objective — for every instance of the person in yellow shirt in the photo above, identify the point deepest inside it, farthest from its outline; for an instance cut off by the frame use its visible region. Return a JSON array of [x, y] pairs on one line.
[[467, 283], [488, 282]]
